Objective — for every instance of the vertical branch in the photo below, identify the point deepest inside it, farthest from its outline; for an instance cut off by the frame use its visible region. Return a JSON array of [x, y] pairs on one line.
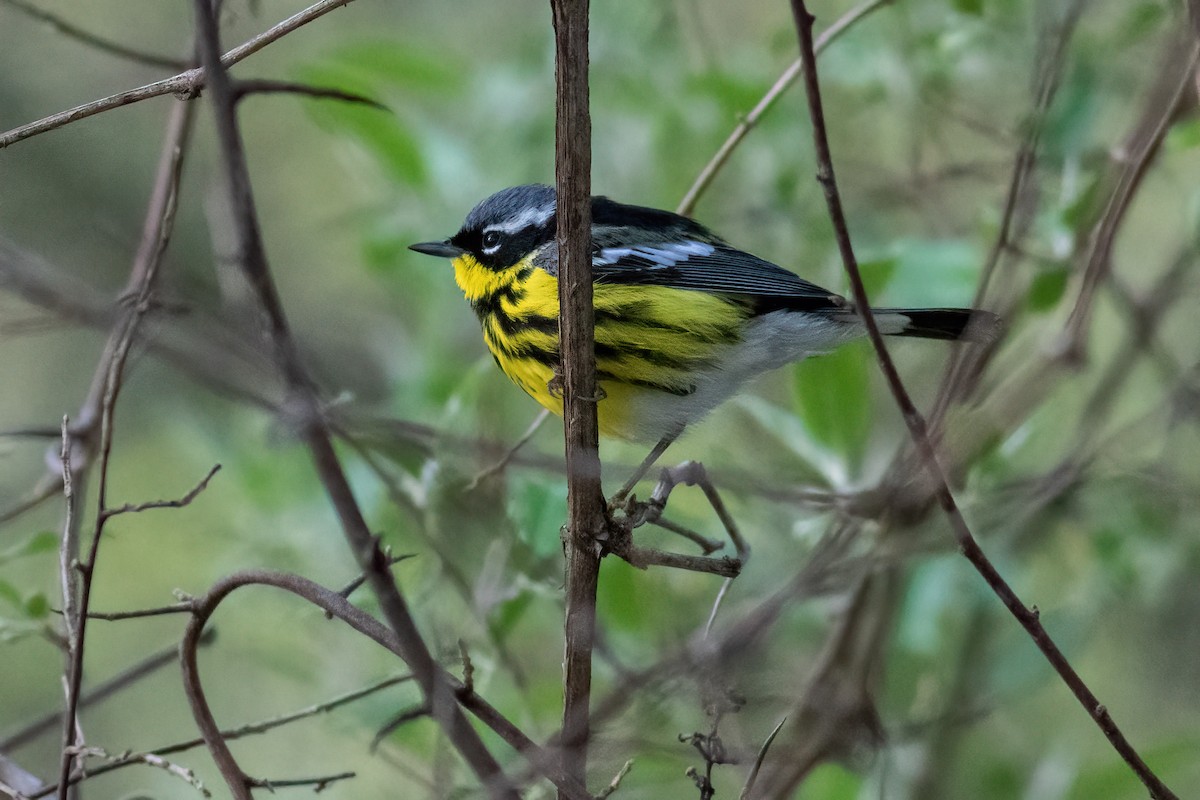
[[919, 430], [309, 419], [585, 501], [99, 408]]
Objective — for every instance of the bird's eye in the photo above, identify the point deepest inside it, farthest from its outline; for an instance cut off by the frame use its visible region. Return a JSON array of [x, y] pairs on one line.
[[491, 240]]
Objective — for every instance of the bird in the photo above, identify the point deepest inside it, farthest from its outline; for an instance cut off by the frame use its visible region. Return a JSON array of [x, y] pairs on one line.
[[683, 319]]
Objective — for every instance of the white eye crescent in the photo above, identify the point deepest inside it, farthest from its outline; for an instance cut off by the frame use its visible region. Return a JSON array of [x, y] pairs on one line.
[[491, 242]]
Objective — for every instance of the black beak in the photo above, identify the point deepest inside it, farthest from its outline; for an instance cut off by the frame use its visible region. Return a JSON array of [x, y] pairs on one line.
[[439, 249]]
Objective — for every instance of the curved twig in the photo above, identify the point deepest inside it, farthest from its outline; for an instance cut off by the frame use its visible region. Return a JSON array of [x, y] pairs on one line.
[[335, 605]]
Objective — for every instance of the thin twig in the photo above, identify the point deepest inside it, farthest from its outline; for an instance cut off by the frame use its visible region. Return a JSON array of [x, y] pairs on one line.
[[96, 42], [248, 86], [336, 605], [77, 588], [1144, 144], [511, 453], [149, 759], [319, 784], [141, 613], [758, 761], [249, 729], [186, 84], [179, 502], [688, 204], [964, 362], [103, 691], [353, 585], [920, 434], [615, 783]]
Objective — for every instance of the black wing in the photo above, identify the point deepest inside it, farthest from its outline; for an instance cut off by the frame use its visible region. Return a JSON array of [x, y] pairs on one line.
[[709, 266]]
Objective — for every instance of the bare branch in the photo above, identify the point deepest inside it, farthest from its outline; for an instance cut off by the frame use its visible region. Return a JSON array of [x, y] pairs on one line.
[[1177, 75], [186, 500], [336, 605], [586, 519], [92, 40], [314, 431], [688, 204], [615, 783], [185, 85], [249, 729], [319, 784], [920, 434], [249, 86], [107, 382], [758, 761]]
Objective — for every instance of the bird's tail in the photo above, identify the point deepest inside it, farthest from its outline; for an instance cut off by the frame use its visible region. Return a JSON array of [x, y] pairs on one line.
[[950, 324]]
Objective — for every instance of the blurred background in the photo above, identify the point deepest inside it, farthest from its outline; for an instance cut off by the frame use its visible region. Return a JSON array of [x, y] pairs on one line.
[[1073, 443]]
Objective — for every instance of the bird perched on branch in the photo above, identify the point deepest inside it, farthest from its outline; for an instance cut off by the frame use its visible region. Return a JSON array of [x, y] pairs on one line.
[[683, 319]]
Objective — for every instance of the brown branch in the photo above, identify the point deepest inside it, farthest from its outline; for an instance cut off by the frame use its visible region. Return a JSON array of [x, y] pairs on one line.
[[688, 204], [109, 377], [319, 784], [965, 364], [586, 521], [314, 431], [920, 434], [180, 502], [46, 723], [186, 84], [141, 613], [337, 606], [92, 40], [249, 86], [1178, 73], [229, 734]]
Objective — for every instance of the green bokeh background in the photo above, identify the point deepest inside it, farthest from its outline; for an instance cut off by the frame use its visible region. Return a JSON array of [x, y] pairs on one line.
[[927, 101]]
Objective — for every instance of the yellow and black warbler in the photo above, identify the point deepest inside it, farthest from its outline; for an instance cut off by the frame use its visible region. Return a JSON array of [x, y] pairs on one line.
[[683, 319]]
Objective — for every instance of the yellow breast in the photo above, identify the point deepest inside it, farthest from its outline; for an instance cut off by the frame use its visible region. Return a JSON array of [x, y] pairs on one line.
[[653, 343]]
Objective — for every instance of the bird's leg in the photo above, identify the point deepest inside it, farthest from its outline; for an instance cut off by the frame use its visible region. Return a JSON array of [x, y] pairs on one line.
[[689, 473], [618, 499]]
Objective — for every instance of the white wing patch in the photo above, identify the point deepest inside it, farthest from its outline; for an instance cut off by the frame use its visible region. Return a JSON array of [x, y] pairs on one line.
[[665, 255]]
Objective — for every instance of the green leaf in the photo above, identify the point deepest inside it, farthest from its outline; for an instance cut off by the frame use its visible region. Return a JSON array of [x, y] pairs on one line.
[[1047, 289], [833, 398], [537, 509], [972, 7], [877, 274], [381, 134], [833, 782], [36, 606], [377, 70], [40, 542], [932, 272], [10, 593], [383, 64], [12, 630], [1184, 135]]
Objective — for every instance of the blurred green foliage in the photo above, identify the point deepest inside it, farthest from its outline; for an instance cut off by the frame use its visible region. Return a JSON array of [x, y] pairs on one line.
[[1089, 509]]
